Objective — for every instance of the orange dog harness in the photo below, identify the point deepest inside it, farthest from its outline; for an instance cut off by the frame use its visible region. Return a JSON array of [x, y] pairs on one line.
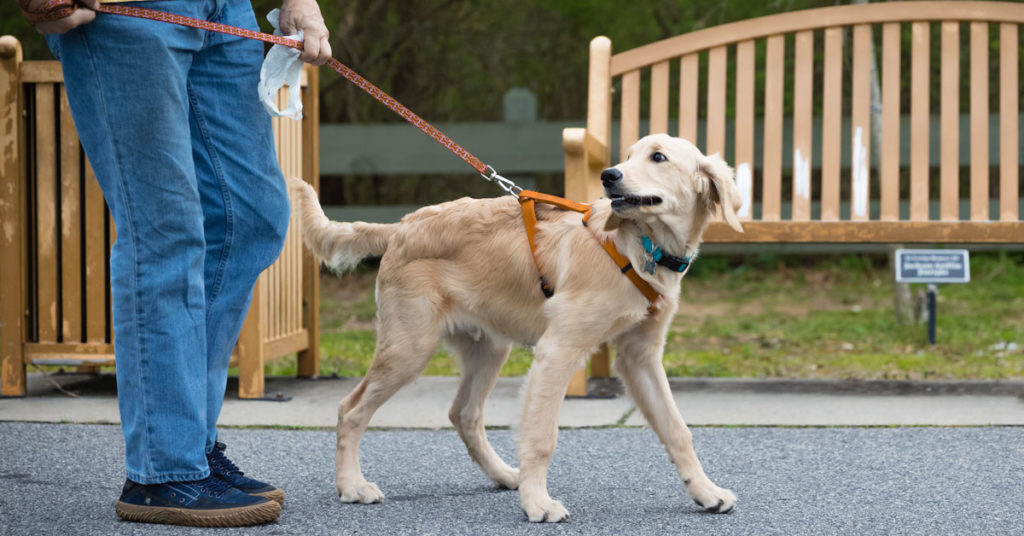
[[528, 202]]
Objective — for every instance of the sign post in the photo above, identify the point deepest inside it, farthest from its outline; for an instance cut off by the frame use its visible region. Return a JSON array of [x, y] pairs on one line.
[[932, 266]]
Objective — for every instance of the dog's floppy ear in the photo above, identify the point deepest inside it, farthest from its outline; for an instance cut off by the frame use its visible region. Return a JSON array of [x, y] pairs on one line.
[[723, 187]]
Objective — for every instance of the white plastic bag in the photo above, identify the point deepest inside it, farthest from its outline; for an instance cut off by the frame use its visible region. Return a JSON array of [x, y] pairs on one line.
[[281, 67]]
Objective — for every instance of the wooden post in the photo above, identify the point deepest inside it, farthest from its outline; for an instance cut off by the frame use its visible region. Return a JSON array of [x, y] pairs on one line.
[[12, 239], [250, 349], [583, 171], [309, 359]]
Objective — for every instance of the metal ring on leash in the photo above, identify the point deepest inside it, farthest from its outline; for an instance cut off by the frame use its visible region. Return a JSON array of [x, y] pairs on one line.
[[505, 184]]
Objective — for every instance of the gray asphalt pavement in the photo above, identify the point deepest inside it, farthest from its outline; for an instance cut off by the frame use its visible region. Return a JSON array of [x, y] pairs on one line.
[[64, 478]]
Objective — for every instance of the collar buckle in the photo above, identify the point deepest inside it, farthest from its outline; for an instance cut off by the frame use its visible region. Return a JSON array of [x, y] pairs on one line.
[[656, 256]]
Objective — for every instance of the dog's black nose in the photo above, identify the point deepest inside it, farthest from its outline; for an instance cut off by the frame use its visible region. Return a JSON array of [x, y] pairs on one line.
[[610, 176]]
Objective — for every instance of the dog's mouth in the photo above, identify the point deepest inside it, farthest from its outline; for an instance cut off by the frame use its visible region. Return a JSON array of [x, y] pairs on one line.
[[629, 201]]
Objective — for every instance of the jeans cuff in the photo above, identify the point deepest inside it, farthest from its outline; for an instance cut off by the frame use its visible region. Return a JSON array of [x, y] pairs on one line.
[[164, 478]]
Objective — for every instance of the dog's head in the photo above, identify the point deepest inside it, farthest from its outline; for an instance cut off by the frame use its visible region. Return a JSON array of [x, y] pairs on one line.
[[668, 179]]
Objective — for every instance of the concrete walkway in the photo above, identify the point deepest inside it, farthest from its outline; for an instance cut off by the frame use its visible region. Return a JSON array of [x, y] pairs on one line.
[[616, 480], [424, 404]]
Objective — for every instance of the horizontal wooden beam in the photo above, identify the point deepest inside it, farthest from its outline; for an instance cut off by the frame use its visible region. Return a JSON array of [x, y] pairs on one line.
[[288, 344], [33, 72], [69, 354], [35, 349], [914, 232]]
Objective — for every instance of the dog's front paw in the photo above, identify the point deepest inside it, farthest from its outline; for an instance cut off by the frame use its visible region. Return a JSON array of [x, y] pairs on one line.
[[711, 497], [545, 510], [362, 492]]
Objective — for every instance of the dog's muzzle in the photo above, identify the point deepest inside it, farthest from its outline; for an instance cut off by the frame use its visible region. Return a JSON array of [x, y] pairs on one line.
[[611, 179]]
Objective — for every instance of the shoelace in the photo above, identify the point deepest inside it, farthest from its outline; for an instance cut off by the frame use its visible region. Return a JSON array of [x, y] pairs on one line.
[[213, 486], [220, 463]]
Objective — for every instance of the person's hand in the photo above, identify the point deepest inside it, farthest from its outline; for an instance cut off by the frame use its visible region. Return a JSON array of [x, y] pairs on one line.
[[83, 15], [305, 15]]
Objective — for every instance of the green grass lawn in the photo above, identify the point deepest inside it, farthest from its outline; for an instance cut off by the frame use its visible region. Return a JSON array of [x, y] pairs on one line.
[[770, 316]]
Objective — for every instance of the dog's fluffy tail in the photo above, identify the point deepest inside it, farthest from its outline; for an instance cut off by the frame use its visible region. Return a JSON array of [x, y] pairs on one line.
[[341, 245]]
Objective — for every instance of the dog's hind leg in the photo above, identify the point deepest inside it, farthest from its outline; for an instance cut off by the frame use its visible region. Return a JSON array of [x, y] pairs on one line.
[[638, 361], [407, 337], [480, 360]]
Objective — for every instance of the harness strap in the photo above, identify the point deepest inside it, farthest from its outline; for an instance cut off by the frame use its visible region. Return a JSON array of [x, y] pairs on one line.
[[530, 220], [528, 202], [627, 269]]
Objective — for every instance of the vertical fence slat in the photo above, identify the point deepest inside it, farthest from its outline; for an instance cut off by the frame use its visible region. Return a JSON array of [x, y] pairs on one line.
[[773, 93], [71, 227], [1009, 89], [889, 177], [803, 101], [13, 194], [309, 359], [919, 121], [831, 126], [599, 99], [46, 216], [860, 124], [276, 273], [95, 260], [659, 98], [279, 270], [949, 119], [295, 294], [272, 273], [716, 101], [979, 121], [689, 82], [629, 118], [744, 158]]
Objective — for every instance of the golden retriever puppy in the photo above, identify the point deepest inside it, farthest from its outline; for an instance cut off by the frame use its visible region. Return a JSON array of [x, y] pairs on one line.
[[461, 273]]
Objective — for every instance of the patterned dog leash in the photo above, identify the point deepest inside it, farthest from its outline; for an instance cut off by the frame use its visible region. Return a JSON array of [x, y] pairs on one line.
[[57, 9]]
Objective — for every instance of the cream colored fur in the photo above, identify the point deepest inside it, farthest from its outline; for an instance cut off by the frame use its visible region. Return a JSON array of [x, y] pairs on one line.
[[461, 274]]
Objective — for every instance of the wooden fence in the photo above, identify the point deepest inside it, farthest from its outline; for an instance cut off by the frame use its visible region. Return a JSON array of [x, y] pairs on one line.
[[55, 235]]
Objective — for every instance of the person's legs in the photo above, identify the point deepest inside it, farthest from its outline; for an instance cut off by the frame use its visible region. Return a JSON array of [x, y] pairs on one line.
[[126, 82], [245, 200]]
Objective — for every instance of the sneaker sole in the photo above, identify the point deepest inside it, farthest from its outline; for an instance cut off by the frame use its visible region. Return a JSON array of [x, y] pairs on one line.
[[275, 495], [225, 517]]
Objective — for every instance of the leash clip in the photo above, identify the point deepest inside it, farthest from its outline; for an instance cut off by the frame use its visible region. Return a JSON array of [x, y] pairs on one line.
[[505, 184]]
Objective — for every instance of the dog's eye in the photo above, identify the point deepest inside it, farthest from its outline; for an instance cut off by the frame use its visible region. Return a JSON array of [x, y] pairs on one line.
[[658, 157]]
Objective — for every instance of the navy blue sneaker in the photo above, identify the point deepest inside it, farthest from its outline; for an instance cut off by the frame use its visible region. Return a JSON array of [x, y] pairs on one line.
[[222, 468], [210, 502]]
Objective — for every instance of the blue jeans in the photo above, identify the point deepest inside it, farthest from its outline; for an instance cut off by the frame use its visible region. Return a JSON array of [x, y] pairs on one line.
[[183, 150]]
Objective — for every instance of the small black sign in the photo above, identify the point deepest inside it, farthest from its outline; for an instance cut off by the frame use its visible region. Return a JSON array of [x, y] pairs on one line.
[[933, 266]]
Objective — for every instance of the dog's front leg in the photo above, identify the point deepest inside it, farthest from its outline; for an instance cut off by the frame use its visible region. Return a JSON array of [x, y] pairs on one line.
[[638, 361], [552, 369]]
